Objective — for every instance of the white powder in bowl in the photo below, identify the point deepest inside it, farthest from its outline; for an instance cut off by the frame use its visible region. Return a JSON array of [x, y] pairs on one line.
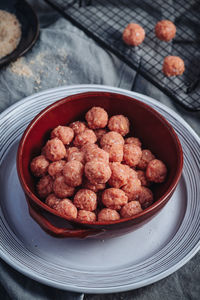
[[10, 33]]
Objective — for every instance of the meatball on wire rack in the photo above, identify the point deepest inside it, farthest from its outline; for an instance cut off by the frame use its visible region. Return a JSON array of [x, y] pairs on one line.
[[105, 21]]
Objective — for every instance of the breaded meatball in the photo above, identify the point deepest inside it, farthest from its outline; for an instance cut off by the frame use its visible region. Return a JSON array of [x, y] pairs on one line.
[[107, 214], [64, 133], [44, 186], [88, 147], [146, 197], [97, 171], [78, 127], [156, 171], [120, 124], [111, 138], [132, 174], [99, 133], [73, 173], [165, 30], [61, 189], [173, 66], [39, 166], [96, 118], [114, 198], [70, 150], [66, 208], [142, 177], [76, 155], [132, 189], [93, 187], [147, 156], [133, 140], [52, 200], [132, 154], [119, 175], [133, 34], [85, 199], [97, 154], [131, 209], [55, 168], [87, 136], [54, 149], [86, 216], [115, 151]]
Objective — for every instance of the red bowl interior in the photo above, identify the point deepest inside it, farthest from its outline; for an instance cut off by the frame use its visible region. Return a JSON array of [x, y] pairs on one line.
[[153, 130]]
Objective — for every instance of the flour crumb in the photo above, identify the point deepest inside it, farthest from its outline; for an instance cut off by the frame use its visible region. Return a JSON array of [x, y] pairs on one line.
[[41, 69], [38, 80], [21, 68]]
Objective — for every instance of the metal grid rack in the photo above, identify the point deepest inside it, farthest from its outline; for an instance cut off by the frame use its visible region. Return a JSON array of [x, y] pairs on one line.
[[105, 20]]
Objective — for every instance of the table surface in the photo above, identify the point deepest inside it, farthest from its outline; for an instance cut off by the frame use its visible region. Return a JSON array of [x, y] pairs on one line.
[[64, 55]]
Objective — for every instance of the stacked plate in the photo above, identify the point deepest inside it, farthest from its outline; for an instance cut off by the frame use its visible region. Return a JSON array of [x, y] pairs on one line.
[[134, 260]]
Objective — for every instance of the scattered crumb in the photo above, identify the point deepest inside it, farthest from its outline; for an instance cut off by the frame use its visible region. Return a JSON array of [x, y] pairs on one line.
[[39, 69], [20, 68], [37, 80]]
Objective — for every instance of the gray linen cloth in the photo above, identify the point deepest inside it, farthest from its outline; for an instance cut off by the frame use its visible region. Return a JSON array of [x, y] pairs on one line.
[[64, 55]]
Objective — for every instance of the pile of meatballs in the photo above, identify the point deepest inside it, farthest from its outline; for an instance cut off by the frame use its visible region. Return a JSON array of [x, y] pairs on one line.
[[90, 172]]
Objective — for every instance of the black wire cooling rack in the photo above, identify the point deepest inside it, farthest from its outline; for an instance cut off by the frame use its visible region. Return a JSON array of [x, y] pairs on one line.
[[105, 20]]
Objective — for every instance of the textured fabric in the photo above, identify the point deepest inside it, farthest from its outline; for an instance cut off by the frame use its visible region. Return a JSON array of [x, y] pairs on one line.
[[16, 286], [64, 55]]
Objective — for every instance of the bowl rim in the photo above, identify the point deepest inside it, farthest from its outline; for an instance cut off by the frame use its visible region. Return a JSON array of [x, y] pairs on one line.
[[160, 202]]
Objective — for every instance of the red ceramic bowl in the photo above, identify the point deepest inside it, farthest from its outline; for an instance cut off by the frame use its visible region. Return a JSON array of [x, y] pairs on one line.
[[154, 131]]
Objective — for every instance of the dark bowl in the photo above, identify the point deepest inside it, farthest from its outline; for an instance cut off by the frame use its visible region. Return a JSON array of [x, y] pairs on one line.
[[154, 131], [29, 26]]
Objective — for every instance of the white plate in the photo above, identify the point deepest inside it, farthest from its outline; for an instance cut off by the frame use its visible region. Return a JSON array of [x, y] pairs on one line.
[[97, 266]]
